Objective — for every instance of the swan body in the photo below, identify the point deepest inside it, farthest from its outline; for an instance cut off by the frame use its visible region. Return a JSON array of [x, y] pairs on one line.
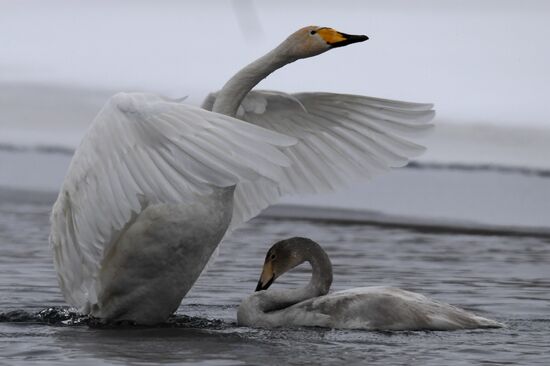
[[156, 183], [372, 308], [147, 264]]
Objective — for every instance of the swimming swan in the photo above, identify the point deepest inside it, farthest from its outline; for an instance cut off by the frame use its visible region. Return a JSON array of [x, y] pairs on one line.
[[374, 308], [156, 184]]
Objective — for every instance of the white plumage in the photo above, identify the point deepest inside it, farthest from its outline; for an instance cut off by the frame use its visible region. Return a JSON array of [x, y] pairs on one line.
[[155, 183], [341, 138], [142, 150]]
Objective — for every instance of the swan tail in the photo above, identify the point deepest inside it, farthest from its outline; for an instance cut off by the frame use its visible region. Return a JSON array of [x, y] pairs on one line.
[[462, 320], [488, 323]]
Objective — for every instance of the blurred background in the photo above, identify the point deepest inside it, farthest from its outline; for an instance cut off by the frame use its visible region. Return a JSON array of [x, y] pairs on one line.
[[484, 64]]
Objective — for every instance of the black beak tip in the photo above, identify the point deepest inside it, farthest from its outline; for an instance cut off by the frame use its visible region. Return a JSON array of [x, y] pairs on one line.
[[358, 38], [260, 286], [349, 39]]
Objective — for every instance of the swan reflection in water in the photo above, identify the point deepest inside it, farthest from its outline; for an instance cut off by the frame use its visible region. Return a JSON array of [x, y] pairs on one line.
[[372, 308]]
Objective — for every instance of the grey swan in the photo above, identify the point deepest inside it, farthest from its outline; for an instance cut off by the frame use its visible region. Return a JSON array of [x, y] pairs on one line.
[[370, 308]]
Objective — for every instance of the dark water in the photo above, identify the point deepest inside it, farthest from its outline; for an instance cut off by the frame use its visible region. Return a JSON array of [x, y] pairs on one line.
[[502, 277]]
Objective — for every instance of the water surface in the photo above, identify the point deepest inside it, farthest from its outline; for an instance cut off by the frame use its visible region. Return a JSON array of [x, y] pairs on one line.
[[501, 277]]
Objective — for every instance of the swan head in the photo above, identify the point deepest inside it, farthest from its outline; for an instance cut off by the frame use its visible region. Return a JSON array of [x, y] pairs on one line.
[[284, 256], [313, 40]]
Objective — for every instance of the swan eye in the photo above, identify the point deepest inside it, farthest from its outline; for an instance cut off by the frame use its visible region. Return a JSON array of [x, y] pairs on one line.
[[312, 32]]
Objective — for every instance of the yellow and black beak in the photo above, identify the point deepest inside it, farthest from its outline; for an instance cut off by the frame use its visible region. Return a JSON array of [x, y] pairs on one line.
[[337, 39], [349, 39], [267, 277]]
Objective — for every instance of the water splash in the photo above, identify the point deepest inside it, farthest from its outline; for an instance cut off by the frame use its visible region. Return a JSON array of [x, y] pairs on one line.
[[63, 316]]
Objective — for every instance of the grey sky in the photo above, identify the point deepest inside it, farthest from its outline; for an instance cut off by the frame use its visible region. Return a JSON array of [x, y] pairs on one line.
[[479, 61]]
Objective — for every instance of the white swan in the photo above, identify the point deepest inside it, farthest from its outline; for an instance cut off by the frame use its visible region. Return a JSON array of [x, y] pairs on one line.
[[374, 308], [155, 184]]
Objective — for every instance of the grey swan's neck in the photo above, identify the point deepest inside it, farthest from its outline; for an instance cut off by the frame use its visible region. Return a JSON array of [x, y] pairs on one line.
[[319, 285], [233, 92]]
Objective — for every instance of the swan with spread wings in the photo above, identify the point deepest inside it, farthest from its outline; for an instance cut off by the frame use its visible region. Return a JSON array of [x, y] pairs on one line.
[[156, 184]]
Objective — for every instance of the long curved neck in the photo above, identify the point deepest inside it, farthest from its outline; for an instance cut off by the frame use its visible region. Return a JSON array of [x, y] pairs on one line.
[[319, 285], [233, 92], [321, 276]]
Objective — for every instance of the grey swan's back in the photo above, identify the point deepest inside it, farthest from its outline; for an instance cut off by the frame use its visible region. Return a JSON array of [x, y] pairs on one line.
[[372, 308]]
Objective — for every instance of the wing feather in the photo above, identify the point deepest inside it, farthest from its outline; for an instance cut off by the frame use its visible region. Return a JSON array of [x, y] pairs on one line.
[[341, 138], [140, 150]]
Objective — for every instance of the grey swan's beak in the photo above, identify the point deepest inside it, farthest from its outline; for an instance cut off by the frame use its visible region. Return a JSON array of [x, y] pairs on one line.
[[262, 286], [267, 277]]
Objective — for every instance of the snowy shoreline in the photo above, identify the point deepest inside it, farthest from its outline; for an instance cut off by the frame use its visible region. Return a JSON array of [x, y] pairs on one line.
[[55, 117], [483, 174], [331, 216]]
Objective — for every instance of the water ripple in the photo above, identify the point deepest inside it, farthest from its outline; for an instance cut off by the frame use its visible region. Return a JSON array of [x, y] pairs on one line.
[[502, 277]]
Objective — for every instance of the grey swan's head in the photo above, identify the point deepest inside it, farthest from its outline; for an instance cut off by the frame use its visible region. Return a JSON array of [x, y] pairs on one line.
[[289, 253]]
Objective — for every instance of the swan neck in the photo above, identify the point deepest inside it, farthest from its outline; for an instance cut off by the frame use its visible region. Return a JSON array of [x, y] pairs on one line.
[[235, 90], [321, 277]]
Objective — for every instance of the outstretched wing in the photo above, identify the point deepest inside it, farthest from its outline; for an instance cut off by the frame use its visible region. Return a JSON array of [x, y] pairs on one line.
[[341, 138], [140, 150]]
